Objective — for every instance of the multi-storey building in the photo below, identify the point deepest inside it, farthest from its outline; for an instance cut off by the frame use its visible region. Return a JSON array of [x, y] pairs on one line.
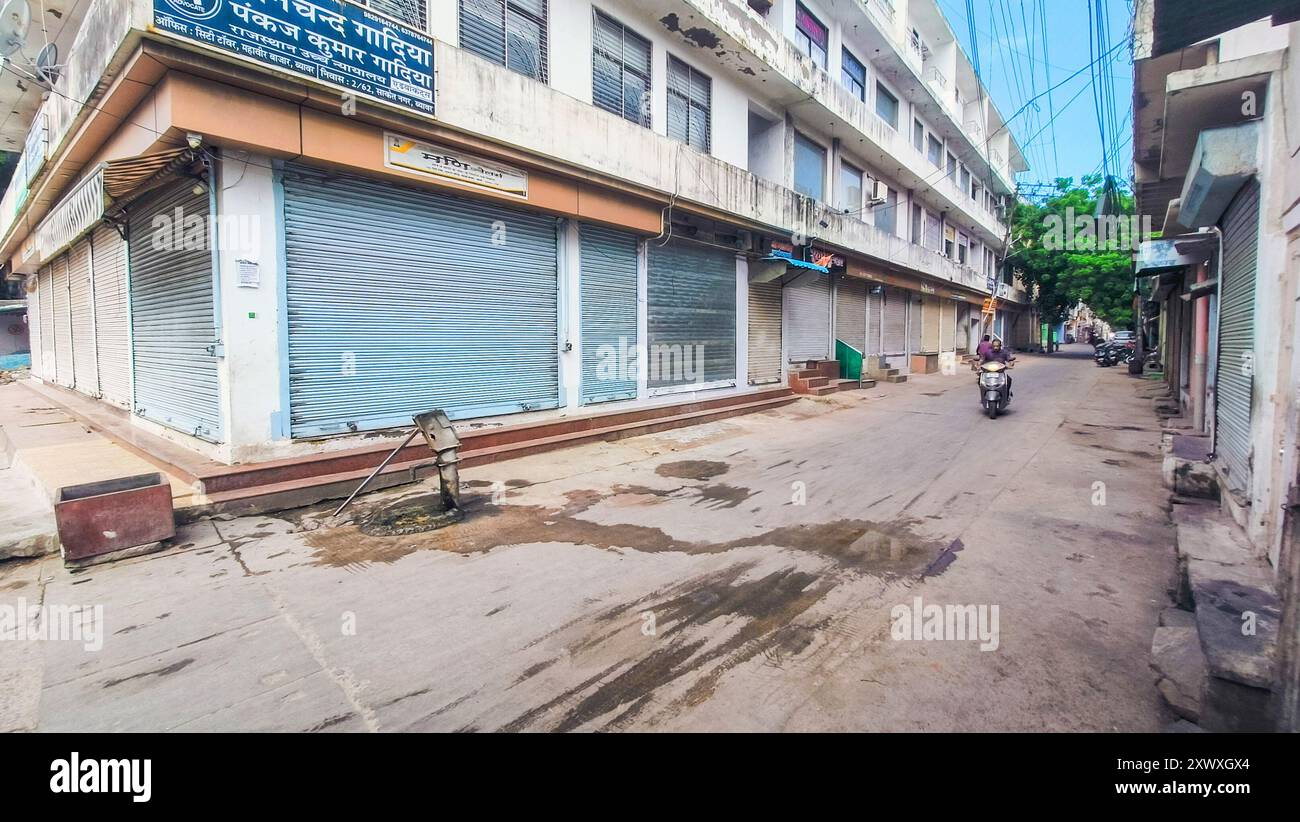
[[257, 224]]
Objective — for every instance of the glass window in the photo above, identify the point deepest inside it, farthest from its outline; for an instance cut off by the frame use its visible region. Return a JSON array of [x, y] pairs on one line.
[[811, 36], [935, 152], [854, 75], [918, 216], [850, 193], [690, 102], [886, 214], [809, 167], [620, 81], [886, 106], [510, 33], [952, 167], [918, 136], [965, 179]]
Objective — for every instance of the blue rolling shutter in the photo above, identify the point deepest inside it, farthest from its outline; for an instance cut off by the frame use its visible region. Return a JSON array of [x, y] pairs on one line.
[[691, 314], [173, 316], [609, 267], [402, 300]]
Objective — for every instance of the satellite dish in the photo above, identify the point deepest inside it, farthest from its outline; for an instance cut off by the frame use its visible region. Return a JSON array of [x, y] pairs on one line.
[[15, 19], [47, 64]]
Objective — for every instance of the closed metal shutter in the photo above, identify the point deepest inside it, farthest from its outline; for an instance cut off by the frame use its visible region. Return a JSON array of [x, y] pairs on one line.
[[85, 379], [931, 323], [692, 314], [808, 317], [875, 318], [174, 335], [895, 323], [765, 332], [63, 363], [948, 326], [914, 323], [34, 323], [405, 300], [1235, 389], [112, 315], [609, 329], [851, 313], [45, 285]]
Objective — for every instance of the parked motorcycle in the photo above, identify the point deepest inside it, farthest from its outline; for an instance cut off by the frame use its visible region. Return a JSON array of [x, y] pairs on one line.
[[995, 387], [1102, 355]]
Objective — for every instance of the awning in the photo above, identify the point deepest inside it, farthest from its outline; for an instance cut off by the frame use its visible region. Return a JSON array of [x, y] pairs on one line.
[[113, 184], [793, 263], [122, 177], [1170, 253]]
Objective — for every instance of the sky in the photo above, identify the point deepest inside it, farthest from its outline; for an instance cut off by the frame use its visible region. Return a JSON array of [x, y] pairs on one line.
[[1014, 66]]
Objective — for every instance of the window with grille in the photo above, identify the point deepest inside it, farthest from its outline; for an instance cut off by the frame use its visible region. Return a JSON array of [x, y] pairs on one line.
[[811, 35], [620, 81], [414, 13], [690, 103], [854, 75], [510, 33]]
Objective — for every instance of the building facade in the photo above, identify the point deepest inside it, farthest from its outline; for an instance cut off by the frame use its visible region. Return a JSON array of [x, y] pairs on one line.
[[263, 228], [1217, 142]]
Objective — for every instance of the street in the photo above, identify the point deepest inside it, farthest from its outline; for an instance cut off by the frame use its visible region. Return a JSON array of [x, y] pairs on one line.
[[737, 575]]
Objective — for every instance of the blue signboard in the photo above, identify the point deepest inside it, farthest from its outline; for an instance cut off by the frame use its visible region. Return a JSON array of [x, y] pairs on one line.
[[328, 40]]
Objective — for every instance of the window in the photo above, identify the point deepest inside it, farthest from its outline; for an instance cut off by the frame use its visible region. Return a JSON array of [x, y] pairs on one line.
[[810, 35], [936, 152], [918, 216], [952, 167], [849, 197], [620, 61], [854, 76], [975, 191], [918, 136], [414, 13], [886, 106], [809, 167], [886, 213], [690, 100], [510, 33], [963, 248], [949, 242]]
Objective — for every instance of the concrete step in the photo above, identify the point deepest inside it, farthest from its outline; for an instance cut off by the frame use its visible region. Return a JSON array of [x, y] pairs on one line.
[[1231, 593], [26, 517], [317, 488], [851, 385], [1179, 664], [896, 378]]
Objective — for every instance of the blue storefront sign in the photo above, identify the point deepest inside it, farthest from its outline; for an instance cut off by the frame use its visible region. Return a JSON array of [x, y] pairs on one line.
[[331, 41]]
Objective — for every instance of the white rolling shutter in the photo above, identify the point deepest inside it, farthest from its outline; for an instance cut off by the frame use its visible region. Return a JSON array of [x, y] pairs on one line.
[[765, 332], [1235, 374], [63, 362], [851, 313], [112, 315], [807, 307], [82, 313]]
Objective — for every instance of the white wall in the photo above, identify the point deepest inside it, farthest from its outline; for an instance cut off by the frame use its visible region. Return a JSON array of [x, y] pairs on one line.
[[250, 317]]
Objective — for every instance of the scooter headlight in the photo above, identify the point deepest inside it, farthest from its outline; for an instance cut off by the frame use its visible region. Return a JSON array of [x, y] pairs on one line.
[[992, 380]]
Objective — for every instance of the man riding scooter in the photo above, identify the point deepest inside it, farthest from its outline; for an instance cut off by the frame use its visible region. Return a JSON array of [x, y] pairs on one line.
[[999, 354]]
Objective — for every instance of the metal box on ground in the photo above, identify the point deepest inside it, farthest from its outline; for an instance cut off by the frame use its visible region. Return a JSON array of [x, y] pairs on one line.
[[105, 520]]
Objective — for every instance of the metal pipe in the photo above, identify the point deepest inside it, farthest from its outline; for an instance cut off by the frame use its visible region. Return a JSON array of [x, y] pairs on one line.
[[375, 472], [1212, 368]]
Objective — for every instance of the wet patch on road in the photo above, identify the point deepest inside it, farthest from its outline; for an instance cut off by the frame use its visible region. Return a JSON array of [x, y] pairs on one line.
[[891, 549], [692, 469]]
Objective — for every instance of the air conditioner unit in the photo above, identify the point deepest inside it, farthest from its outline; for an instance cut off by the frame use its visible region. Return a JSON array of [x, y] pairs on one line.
[[879, 192]]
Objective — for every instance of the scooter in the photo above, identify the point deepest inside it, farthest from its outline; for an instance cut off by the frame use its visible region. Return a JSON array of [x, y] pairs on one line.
[[994, 385], [1102, 356]]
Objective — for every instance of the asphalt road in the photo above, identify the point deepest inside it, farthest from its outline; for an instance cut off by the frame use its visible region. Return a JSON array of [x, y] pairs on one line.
[[746, 574]]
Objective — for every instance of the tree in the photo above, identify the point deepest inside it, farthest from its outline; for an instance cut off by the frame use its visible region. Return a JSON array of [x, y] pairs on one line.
[[1066, 252]]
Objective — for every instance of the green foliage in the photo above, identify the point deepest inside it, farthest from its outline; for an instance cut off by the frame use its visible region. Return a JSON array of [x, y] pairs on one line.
[[1100, 276]]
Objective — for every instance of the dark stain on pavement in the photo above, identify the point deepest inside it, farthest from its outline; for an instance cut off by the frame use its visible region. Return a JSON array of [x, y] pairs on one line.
[[692, 469], [158, 672]]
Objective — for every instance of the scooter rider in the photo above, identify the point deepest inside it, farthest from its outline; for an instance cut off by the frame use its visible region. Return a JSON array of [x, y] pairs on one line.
[[999, 354]]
